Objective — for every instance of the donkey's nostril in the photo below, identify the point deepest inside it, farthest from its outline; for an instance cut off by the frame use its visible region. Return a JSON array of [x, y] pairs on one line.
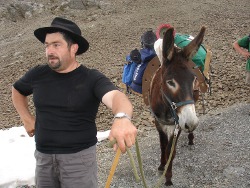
[[186, 126]]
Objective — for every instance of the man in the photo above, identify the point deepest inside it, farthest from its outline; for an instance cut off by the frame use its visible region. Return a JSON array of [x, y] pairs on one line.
[[66, 97], [242, 46]]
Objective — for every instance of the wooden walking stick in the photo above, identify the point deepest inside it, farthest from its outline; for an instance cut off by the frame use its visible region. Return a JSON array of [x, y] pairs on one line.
[[113, 167]]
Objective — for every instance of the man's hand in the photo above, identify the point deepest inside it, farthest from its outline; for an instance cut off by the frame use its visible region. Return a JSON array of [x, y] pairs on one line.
[[124, 132], [246, 54], [29, 126]]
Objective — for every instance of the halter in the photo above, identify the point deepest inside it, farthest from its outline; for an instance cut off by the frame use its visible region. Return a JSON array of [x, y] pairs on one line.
[[174, 106]]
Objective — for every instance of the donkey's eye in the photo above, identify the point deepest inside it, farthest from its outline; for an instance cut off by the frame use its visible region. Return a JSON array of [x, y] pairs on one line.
[[170, 83]]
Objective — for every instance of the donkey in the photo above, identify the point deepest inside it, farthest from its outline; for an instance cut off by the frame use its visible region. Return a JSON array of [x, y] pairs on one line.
[[173, 94]]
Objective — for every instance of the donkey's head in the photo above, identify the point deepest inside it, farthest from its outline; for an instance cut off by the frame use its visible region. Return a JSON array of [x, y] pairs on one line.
[[179, 81]]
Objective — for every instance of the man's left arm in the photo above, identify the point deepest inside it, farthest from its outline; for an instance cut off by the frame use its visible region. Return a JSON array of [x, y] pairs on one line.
[[122, 128]]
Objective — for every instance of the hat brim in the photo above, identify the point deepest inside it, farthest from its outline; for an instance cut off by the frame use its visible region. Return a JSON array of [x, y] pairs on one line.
[[83, 44]]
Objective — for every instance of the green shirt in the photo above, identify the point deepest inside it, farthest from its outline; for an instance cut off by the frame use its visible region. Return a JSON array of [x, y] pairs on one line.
[[244, 43]]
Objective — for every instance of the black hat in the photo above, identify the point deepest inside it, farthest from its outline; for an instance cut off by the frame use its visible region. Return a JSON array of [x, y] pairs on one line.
[[148, 38], [67, 26], [135, 56]]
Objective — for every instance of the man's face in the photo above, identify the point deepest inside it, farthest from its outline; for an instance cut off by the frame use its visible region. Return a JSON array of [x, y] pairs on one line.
[[58, 53]]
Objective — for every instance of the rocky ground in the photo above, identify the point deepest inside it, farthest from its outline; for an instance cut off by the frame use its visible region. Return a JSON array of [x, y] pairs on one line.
[[113, 28]]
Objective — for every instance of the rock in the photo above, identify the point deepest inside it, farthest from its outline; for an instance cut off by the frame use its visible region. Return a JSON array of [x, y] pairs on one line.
[[22, 9]]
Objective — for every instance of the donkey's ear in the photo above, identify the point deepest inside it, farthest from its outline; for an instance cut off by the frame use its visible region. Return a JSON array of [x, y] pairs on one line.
[[168, 44], [191, 49]]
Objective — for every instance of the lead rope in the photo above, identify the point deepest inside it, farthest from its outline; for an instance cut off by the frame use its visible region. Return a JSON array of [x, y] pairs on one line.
[[113, 167], [115, 162]]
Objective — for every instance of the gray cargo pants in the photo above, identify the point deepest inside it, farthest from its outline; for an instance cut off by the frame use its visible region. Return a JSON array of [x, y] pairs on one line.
[[76, 170]]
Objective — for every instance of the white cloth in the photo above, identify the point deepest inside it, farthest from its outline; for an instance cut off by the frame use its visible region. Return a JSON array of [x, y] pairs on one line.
[[158, 49]]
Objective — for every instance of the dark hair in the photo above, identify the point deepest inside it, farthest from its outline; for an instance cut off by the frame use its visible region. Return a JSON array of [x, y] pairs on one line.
[[66, 37]]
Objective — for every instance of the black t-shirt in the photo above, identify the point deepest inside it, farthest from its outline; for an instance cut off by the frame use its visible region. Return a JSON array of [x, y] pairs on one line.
[[66, 106]]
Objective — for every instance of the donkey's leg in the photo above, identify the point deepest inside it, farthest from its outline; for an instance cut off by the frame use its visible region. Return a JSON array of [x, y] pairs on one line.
[[191, 138], [163, 145], [169, 174]]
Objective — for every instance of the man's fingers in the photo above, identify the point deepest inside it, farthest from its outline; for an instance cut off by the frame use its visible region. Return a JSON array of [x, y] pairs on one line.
[[129, 141], [115, 147], [121, 145], [31, 134]]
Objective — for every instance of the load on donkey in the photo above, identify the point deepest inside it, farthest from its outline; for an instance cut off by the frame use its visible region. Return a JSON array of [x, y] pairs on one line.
[[200, 62], [136, 63], [171, 86]]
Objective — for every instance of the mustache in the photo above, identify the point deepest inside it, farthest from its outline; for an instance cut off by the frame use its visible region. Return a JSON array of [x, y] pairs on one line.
[[52, 57]]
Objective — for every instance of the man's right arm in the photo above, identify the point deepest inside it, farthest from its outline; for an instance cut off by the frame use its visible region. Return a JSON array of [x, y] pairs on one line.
[[21, 104]]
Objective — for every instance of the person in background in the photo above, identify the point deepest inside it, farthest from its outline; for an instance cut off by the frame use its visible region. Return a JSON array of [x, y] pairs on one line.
[[66, 97], [242, 46]]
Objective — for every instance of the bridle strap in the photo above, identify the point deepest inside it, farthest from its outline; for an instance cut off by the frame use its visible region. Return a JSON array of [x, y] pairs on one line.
[[174, 106], [179, 104]]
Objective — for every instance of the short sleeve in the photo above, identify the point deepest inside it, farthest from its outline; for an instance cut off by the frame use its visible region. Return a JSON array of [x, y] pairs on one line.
[[244, 42], [102, 84], [24, 84]]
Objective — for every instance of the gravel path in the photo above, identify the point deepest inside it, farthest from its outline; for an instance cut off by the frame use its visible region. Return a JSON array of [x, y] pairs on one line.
[[219, 158]]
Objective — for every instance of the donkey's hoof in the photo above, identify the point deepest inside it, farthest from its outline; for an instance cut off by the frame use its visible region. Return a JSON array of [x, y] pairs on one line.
[[161, 168], [191, 147], [168, 183]]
